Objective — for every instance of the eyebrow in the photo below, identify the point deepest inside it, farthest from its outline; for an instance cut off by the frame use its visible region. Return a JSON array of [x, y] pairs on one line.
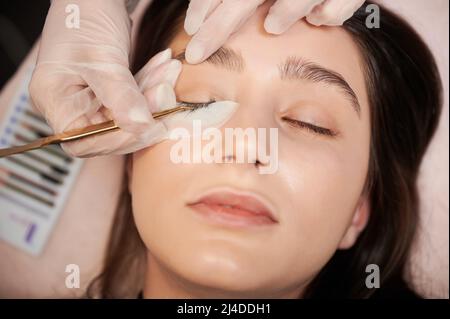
[[294, 68], [223, 57]]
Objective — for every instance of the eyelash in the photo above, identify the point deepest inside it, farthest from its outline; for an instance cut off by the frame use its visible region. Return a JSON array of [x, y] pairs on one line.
[[310, 127], [195, 106], [295, 123]]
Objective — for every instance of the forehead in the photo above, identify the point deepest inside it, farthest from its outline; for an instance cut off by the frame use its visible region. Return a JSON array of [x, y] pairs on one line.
[[330, 47]]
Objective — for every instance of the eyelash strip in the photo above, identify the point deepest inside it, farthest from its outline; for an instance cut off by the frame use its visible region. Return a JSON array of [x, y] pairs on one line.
[[195, 106], [310, 127]]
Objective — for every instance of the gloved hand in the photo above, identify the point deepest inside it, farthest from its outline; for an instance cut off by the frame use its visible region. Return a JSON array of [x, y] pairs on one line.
[[211, 22], [82, 77]]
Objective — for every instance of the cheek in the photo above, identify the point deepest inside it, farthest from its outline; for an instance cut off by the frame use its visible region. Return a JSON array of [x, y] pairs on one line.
[[324, 184], [152, 188]]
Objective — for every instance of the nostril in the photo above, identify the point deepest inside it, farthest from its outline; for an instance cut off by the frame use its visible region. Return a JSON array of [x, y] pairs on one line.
[[232, 158], [228, 158], [258, 163]]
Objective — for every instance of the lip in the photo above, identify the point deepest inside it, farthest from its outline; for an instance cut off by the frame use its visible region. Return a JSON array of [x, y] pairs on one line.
[[234, 208]]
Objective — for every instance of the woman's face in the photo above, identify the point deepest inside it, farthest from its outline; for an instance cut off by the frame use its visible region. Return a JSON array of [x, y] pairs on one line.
[[316, 194]]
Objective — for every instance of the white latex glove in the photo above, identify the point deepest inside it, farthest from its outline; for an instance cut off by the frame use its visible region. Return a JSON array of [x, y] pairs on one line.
[[82, 77], [211, 22]]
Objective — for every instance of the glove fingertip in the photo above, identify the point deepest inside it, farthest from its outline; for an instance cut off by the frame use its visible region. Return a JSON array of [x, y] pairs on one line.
[[195, 53], [314, 20], [190, 26], [135, 119], [272, 25], [139, 115]]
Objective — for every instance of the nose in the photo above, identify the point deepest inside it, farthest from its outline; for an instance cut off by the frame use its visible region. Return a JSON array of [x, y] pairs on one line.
[[248, 130]]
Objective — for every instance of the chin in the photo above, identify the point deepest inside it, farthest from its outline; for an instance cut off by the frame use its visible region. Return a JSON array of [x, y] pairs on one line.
[[222, 275]]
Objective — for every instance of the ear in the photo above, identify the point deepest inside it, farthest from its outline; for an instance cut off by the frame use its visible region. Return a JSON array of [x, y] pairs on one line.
[[359, 222]]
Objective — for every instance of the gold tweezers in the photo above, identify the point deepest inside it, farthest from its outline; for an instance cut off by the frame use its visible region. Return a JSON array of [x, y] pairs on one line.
[[79, 133]]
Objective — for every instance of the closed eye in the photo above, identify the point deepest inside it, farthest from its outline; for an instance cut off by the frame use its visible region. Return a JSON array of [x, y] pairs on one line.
[[195, 106], [310, 127], [295, 123]]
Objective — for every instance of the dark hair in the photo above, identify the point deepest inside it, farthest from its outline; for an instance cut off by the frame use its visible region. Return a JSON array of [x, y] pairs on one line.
[[405, 99]]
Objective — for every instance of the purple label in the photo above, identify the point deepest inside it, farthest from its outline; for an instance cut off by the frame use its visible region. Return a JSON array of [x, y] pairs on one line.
[[30, 232]]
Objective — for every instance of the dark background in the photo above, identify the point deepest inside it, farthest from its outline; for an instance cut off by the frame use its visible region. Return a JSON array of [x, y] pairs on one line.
[[21, 23]]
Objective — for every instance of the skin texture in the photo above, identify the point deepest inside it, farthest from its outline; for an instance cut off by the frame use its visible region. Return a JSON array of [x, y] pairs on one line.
[[317, 193]]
